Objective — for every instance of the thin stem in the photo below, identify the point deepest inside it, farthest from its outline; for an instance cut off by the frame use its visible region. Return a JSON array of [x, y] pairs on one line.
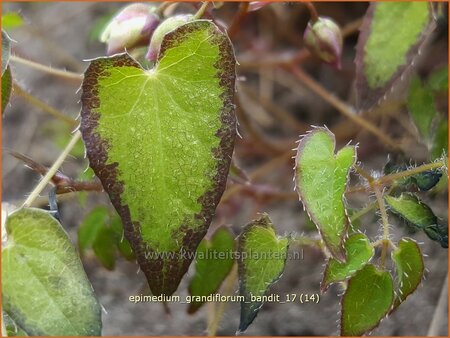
[[228, 289], [237, 20], [312, 12], [307, 241], [73, 77], [410, 172], [363, 173], [52, 171], [385, 221], [43, 106], [342, 107], [267, 167], [363, 211], [201, 10], [162, 7]]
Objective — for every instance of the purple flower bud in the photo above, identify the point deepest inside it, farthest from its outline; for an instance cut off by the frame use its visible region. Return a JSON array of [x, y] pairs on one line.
[[165, 27], [131, 27], [324, 39]]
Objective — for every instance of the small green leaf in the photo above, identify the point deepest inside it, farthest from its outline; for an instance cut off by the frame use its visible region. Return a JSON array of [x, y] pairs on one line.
[[161, 142], [104, 247], [409, 265], [213, 262], [438, 80], [6, 88], [366, 301], [358, 250], [440, 140], [262, 260], [411, 209], [11, 20], [6, 51], [44, 287], [392, 34], [418, 214], [89, 229], [321, 179], [421, 106], [122, 243]]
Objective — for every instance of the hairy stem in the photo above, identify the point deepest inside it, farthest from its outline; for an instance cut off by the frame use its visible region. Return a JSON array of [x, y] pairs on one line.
[[385, 222], [410, 172], [73, 77], [43, 106], [52, 171]]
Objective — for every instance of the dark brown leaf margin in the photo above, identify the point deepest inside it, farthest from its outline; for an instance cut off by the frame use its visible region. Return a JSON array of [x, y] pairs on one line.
[[249, 310], [366, 97], [163, 276]]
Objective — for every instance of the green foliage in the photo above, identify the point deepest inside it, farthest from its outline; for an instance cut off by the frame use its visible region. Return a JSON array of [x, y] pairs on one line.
[[262, 260], [6, 87], [321, 179], [366, 301], [169, 133], [409, 265], [411, 209], [44, 287], [358, 251], [213, 263], [422, 108], [438, 80], [418, 214], [103, 234], [11, 20], [382, 58]]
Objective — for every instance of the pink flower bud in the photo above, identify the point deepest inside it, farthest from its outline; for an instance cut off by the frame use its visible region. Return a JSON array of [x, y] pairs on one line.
[[165, 27], [324, 39], [131, 27]]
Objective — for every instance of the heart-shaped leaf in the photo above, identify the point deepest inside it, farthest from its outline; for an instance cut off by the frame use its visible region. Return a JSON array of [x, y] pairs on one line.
[[358, 250], [161, 141], [409, 265], [392, 35], [213, 262], [44, 287], [321, 179], [262, 257], [366, 301]]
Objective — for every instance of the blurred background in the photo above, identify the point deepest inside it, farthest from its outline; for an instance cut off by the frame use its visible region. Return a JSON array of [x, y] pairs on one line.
[[274, 107]]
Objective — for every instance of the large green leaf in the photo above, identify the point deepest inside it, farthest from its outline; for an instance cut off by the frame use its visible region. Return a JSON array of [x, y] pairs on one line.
[[321, 179], [409, 265], [391, 37], [366, 301], [261, 263], [44, 287], [358, 251], [161, 141], [213, 262]]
